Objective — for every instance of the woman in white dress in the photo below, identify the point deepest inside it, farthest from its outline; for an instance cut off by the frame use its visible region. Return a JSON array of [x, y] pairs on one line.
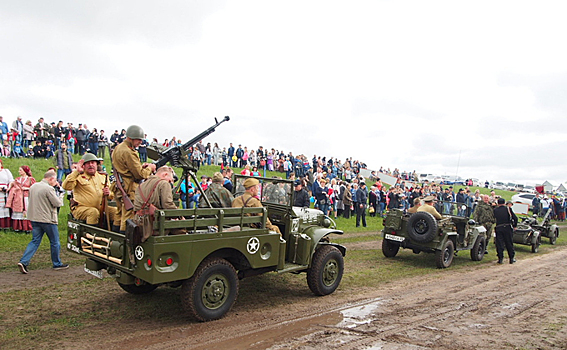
[[6, 179]]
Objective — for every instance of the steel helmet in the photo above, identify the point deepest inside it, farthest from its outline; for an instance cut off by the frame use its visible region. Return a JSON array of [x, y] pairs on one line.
[[89, 157], [135, 132]]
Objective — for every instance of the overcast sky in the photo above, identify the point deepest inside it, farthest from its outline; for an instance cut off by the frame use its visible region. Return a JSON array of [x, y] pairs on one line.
[[477, 89]]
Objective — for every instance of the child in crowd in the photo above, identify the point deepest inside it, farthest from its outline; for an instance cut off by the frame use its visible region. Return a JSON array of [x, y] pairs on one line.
[[6, 149]]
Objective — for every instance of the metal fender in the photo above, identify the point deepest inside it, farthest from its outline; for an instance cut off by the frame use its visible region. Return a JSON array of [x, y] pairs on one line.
[[316, 233], [480, 229]]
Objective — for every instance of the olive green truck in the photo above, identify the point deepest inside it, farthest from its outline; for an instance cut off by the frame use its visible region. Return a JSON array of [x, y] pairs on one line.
[[220, 246]]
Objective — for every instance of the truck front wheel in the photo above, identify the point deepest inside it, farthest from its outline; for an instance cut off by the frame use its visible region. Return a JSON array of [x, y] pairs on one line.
[[210, 293], [326, 271]]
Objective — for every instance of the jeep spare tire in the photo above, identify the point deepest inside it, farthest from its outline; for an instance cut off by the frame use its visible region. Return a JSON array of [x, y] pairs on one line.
[[422, 227]]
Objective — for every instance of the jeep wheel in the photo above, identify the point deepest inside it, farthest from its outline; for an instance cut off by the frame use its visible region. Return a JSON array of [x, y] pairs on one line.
[[553, 238], [422, 227], [212, 290], [389, 248], [444, 257], [535, 246], [138, 289], [326, 271], [478, 249]]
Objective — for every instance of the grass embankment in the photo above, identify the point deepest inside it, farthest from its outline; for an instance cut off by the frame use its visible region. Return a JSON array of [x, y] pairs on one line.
[[45, 317]]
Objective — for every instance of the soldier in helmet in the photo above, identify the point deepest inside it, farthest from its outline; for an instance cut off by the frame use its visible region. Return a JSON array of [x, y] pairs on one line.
[[88, 188], [249, 200], [129, 171]]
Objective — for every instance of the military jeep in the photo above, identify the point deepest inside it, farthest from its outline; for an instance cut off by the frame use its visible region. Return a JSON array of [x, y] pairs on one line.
[[421, 232], [220, 246]]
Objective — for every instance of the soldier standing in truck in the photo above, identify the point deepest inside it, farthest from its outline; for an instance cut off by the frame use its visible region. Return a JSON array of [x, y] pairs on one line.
[[129, 171]]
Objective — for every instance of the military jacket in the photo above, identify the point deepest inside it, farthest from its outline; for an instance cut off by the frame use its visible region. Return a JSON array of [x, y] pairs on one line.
[[87, 189], [218, 195], [126, 161], [484, 214]]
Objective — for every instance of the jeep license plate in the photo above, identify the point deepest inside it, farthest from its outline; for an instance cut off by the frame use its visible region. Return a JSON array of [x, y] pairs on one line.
[[394, 238], [97, 274]]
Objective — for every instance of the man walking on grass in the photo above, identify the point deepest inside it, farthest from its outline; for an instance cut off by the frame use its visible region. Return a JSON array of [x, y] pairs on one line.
[[42, 212]]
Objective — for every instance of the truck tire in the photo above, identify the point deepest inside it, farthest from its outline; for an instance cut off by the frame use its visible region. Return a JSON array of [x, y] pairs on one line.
[[135, 289], [422, 227], [326, 271], [389, 249], [444, 257], [478, 249], [535, 246], [210, 293]]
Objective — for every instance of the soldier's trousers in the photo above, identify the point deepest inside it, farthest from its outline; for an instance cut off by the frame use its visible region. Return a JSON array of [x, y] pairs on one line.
[[504, 239], [90, 214]]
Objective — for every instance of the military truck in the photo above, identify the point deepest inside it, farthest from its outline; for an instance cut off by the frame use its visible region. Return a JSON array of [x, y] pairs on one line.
[[421, 232], [220, 246]]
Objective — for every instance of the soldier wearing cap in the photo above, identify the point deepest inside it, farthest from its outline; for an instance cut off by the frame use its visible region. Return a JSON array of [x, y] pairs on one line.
[[429, 208], [301, 197], [89, 187], [217, 194], [249, 200], [129, 170], [506, 221]]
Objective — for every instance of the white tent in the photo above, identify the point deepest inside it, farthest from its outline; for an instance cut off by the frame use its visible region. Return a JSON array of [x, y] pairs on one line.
[[548, 186]]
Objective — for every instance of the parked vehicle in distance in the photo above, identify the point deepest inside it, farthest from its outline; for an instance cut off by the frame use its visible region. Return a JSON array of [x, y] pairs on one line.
[[529, 189], [519, 188], [525, 198], [497, 185], [510, 186]]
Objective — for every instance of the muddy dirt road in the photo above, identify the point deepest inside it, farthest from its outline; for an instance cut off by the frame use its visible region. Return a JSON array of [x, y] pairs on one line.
[[520, 306]]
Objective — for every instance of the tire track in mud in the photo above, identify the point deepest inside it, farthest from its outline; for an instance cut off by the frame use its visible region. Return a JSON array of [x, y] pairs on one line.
[[494, 307]]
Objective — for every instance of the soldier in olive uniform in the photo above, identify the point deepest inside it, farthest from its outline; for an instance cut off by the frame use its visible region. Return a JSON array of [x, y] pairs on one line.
[[89, 190], [249, 200], [129, 170], [484, 215], [217, 194]]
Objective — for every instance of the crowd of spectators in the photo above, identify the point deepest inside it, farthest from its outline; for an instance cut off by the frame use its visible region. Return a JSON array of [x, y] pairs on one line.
[[326, 179]]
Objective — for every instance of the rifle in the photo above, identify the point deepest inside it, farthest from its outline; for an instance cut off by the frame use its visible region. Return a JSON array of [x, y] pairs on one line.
[[128, 205], [175, 153], [104, 218]]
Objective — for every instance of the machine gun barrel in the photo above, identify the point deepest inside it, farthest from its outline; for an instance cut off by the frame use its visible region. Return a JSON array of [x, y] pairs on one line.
[[173, 154]]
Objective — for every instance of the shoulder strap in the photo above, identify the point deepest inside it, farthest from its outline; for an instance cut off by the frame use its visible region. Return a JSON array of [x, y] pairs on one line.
[[146, 200]]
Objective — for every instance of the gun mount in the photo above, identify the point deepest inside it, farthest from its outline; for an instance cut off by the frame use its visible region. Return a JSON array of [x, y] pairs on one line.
[[177, 156]]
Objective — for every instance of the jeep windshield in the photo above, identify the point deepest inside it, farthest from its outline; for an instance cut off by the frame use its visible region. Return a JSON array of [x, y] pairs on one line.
[[272, 191]]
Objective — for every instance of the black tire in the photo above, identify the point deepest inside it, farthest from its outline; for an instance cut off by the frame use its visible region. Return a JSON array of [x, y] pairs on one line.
[[326, 271], [389, 248], [535, 246], [553, 238], [478, 249], [422, 227], [210, 293], [141, 289], [444, 257]]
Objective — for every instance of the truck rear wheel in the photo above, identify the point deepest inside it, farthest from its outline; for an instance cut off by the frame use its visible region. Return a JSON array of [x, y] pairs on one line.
[[478, 249], [326, 271], [138, 289], [444, 257], [212, 290], [389, 249]]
